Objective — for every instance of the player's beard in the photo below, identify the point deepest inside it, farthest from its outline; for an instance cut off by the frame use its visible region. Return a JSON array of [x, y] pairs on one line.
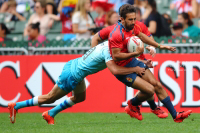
[[129, 27]]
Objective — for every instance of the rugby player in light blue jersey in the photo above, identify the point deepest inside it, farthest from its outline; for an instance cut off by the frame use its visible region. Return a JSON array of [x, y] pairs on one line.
[[72, 79]]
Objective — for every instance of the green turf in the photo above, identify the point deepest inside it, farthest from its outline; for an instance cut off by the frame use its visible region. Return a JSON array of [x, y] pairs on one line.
[[98, 123]]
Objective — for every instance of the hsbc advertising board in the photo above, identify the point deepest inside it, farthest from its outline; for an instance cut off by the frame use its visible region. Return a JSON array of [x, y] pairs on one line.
[[23, 77]]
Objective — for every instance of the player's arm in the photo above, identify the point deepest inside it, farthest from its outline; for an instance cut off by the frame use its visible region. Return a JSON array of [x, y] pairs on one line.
[[151, 42], [95, 40], [118, 56], [148, 63], [119, 70], [101, 35]]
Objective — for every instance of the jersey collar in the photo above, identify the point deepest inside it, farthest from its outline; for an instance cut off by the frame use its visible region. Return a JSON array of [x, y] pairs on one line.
[[122, 26]]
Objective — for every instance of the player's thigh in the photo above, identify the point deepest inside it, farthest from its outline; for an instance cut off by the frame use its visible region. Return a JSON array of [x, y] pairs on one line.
[[56, 93], [149, 77], [143, 86]]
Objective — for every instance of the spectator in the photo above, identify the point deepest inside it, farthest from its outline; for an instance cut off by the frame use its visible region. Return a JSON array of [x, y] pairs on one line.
[[3, 6], [41, 17], [153, 21], [168, 18], [51, 7], [65, 16], [35, 36], [3, 32], [177, 29], [81, 21], [189, 29], [138, 14], [111, 18], [198, 9], [13, 15], [57, 2], [22, 5], [188, 6], [101, 7], [139, 4]]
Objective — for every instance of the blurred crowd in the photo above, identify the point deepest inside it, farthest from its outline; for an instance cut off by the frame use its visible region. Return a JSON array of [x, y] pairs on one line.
[[78, 21]]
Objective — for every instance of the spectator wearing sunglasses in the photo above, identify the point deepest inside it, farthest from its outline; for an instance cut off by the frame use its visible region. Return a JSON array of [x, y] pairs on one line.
[[41, 17]]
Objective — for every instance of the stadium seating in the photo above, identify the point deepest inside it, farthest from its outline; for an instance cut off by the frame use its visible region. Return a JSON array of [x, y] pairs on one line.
[[15, 37], [1, 17], [56, 36], [19, 27], [57, 26], [10, 25]]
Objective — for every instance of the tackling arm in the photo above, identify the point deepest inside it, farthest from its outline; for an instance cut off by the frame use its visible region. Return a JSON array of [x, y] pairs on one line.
[[119, 70], [118, 56]]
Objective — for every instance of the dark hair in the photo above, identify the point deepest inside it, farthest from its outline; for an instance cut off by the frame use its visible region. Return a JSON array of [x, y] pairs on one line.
[[42, 3], [35, 26], [169, 19], [187, 17], [152, 3], [125, 9], [3, 27]]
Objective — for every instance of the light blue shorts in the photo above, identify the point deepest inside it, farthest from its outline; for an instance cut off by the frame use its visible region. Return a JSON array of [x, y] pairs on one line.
[[66, 81]]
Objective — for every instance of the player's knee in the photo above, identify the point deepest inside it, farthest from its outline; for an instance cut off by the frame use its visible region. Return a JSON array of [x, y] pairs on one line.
[[158, 86], [151, 90], [79, 99]]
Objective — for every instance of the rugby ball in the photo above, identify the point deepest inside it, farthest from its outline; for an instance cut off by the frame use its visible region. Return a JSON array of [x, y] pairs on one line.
[[133, 43]]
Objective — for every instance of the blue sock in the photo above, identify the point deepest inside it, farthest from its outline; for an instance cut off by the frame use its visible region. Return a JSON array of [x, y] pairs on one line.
[[62, 106], [169, 106], [135, 101], [27, 103], [152, 104]]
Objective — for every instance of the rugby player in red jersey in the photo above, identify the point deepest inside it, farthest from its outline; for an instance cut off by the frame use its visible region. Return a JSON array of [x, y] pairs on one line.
[[104, 34], [147, 84]]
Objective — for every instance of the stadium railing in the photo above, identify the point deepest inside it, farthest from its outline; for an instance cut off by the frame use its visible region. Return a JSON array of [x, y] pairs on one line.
[[183, 45]]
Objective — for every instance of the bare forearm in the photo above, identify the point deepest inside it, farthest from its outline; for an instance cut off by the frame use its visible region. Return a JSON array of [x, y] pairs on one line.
[[124, 70], [144, 61], [95, 40], [148, 40], [54, 17], [20, 17], [124, 56], [119, 70]]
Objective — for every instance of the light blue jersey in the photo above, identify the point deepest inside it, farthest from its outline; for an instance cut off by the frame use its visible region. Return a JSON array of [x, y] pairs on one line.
[[76, 70], [91, 62]]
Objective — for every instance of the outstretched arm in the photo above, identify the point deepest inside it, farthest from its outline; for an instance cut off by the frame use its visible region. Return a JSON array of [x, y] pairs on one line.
[[149, 41]]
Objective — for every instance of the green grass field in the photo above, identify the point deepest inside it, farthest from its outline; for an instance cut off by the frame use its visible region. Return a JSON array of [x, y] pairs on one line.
[[98, 123]]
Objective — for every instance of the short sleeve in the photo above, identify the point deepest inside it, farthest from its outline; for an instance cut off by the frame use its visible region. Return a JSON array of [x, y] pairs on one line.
[[104, 33], [115, 40], [76, 18], [137, 30], [106, 54], [145, 30]]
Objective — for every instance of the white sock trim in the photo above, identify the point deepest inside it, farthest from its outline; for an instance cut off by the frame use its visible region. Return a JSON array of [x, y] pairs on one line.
[[69, 101], [35, 100]]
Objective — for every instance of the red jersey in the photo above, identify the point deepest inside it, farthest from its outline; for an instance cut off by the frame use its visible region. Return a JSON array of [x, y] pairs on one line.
[[66, 23], [100, 22], [104, 33]]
